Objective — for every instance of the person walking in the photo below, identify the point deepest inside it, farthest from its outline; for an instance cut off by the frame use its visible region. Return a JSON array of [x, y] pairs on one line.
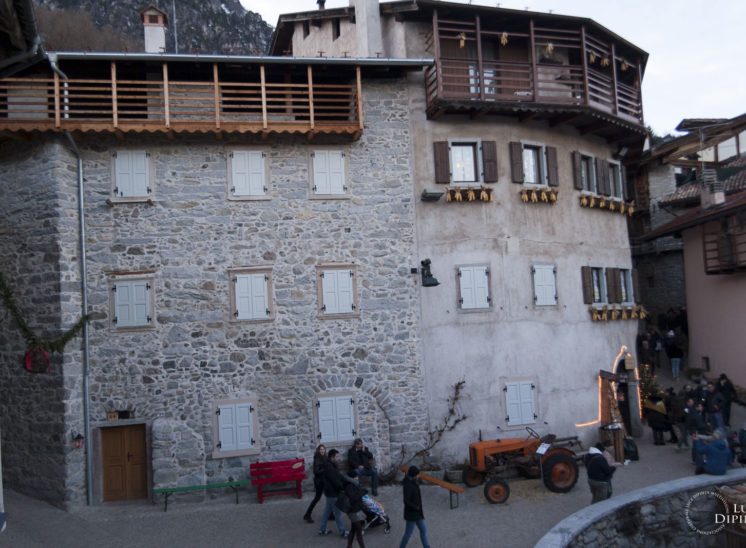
[[333, 484], [726, 388], [599, 474], [319, 463], [355, 512], [413, 508]]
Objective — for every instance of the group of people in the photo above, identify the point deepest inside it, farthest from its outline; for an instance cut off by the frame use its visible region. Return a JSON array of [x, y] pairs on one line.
[[651, 346], [344, 494]]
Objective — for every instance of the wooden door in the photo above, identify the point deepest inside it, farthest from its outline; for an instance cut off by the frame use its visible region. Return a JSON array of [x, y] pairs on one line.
[[124, 462]]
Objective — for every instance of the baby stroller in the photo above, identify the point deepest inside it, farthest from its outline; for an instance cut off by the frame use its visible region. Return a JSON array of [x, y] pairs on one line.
[[375, 515]]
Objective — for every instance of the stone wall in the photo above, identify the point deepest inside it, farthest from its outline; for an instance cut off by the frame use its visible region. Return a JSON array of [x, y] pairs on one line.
[[661, 281]]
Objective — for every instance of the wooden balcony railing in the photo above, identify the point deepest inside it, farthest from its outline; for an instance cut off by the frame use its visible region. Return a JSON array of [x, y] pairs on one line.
[[162, 104]]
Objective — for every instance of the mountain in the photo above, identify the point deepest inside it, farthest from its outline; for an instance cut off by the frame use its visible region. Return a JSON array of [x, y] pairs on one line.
[[199, 26]]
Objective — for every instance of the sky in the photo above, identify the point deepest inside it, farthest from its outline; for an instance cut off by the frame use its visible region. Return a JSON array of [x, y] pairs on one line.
[[693, 69]]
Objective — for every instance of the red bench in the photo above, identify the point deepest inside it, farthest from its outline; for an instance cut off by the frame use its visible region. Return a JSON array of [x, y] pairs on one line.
[[280, 471]]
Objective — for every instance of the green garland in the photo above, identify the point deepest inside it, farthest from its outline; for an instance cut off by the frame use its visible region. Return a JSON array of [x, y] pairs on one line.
[[32, 340]]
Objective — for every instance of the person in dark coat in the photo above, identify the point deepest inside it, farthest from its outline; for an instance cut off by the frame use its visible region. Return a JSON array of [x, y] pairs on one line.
[[599, 474], [333, 484], [355, 512], [726, 388], [655, 411], [413, 508], [319, 463], [712, 457], [360, 461]]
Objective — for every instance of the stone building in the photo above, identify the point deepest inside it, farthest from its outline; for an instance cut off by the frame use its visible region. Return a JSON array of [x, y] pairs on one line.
[[520, 132]]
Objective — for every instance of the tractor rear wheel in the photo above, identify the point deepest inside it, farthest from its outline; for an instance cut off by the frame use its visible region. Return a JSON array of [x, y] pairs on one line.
[[496, 491], [472, 477], [560, 472]]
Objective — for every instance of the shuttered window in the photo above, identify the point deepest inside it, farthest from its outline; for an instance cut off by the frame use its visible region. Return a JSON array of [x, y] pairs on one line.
[[474, 290], [235, 427], [584, 172], [251, 290], [338, 292], [534, 164], [131, 303], [465, 162], [131, 174], [616, 185], [594, 288], [248, 174], [520, 405], [328, 172], [336, 419], [545, 286]]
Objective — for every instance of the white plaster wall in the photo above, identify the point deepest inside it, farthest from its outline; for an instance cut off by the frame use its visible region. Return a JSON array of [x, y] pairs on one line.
[[320, 39], [716, 310], [558, 347]]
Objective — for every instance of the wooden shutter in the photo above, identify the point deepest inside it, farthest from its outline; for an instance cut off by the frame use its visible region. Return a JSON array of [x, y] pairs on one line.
[[489, 161], [336, 419], [345, 417], [586, 274], [623, 176], [442, 162], [336, 172], [545, 290], [516, 162], [244, 426], [321, 180], [327, 422], [474, 287], [344, 290], [577, 171], [242, 296], [635, 287], [552, 168], [602, 177], [240, 173], [613, 291], [256, 177], [259, 296], [132, 303], [227, 427]]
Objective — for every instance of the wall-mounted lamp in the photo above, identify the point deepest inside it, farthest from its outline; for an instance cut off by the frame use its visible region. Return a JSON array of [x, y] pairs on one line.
[[77, 439], [428, 280]]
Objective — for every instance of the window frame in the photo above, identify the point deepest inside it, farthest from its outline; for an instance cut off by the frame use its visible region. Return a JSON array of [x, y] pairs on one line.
[[266, 271], [588, 277], [130, 278], [321, 271], [313, 187], [626, 286], [232, 195], [460, 289], [478, 170], [616, 180], [522, 386], [255, 447], [588, 171], [535, 267], [541, 163], [149, 192], [336, 397]]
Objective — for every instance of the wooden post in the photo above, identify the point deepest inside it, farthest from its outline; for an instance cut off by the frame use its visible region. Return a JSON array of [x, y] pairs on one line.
[[436, 50], [480, 68], [264, 97], [114, 95], [310, 98], [359, 98], [639, 95], [56, 100], [216, 88], [613, 79], [534, 70], [584, 53], [166, 112]]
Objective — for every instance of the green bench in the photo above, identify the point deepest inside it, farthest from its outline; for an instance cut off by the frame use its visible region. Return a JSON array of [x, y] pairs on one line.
[[168, 491]]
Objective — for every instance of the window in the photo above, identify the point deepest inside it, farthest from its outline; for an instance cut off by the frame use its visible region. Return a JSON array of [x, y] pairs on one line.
[[545, 287], [132, 174], [328, 172], [625, 286], [474, 291], [235, 428], [465, 162], [724, 244], [534, 164], [247, 170], [615, 180], [251, 295], [132, 301], [337, 291], [588, 173], [520, 407], [594, 285], [620, 285], [335, 28], [336, 418]]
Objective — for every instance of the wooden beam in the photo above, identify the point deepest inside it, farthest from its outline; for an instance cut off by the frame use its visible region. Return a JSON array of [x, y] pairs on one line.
[[478, 114], [591, 127], [264, 96], [216, 90], [119, 134], [436, 49], [480, 66], [359, 99], [534, 69], [166, 108], [614, 81], [114, 95], [583, 52], [310, 99], [557, 120], [525, 117], [56, 100]]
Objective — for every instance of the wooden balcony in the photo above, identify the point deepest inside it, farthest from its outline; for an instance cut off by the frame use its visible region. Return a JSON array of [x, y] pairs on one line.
[[171, 98], [566, 75]]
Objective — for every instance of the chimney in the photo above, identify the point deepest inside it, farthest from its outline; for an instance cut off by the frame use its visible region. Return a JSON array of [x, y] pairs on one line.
[[321, 3], [368, 28], [154, 25]]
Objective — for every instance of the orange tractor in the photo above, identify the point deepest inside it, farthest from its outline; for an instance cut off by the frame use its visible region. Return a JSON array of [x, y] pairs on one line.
[[557, 466]]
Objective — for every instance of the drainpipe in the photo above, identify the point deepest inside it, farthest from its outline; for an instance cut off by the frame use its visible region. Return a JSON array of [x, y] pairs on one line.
[[84, 305]]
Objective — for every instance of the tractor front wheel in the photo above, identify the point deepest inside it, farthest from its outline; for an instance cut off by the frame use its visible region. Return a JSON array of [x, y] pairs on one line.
[[472, 477], [560, 472], [496, 491]]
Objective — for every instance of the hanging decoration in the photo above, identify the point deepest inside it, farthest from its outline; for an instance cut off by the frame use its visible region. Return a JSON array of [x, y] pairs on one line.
[[605, 62], [461, 40], [624, 66], [550, 48], [37, 358], [470, 196], [592, 58], [504, 39]]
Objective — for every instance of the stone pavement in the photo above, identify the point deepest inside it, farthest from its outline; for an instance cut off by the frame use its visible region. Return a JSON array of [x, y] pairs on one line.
[[528, 514]]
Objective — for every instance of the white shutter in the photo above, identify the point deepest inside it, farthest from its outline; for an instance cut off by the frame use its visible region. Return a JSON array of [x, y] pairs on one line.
[[140, 302], [256, 173], [132, 303], [321, 180], [474, 286], [244, 426], [345, 418], [139, 173], [240, 173], [545, 292], [251, 295], [336, 172], [123, 305], [344, 290], [330, 292], [242, 290], [259, 297], [528, 410], [227, 427], [123, 173], [327, 421], [513, 404]]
